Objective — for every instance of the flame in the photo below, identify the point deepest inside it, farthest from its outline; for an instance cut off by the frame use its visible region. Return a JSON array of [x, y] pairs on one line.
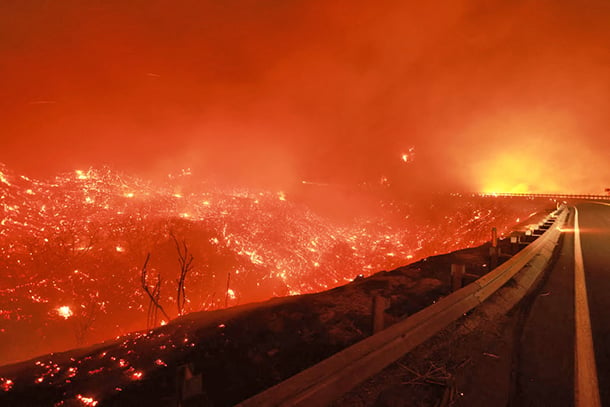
[[80, 174], [231, 293], [3, 179], [64, 311]]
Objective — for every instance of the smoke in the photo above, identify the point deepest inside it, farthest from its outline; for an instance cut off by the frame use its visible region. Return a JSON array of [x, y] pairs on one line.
[[491, 95]]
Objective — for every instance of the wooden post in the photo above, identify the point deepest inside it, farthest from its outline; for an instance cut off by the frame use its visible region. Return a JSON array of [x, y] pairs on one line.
[[514, 244], [188, 384], [493, 251], [379, 307], [227, 292], [457, 276]]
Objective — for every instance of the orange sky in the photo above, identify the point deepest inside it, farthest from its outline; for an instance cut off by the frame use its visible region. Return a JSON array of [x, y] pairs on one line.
[[493, 95]]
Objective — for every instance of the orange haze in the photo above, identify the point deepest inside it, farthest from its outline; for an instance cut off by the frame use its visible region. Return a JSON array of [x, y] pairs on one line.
[[489, 95]]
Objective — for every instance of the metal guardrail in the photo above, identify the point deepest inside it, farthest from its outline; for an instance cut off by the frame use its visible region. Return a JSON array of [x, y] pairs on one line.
[[554, 196], [326, 381]]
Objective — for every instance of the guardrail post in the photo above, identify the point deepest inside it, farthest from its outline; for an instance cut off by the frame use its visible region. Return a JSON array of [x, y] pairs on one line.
[[514, 244], [379, 306], [457, 276], [188, 384], [493, 251]]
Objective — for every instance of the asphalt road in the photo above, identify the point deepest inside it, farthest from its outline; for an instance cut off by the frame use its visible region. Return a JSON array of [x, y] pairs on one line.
[[564, 356]]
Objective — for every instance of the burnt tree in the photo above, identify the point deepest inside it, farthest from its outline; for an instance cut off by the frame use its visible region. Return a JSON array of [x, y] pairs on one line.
[[185, 261], [153, 306]]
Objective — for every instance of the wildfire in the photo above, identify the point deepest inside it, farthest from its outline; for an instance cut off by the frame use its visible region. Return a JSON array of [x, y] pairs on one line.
[[81, 239], [64, 311]]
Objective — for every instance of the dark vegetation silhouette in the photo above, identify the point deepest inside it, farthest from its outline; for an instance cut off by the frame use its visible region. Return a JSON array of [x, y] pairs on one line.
[[185, 262]]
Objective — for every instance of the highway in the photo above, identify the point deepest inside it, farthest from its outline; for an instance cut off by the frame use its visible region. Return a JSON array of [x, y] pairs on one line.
[[564, 354]]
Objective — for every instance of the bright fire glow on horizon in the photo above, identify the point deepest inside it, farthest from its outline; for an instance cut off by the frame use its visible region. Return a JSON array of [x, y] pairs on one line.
[[542, 164]]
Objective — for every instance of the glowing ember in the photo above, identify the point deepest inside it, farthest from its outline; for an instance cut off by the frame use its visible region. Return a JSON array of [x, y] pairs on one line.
[[137, 375], [87, 401], [72, 371], [64, 311], [95, 371], [6, 384]]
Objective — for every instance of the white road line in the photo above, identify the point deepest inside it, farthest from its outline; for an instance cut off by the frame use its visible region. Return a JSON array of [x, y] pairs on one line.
[[586, 393]]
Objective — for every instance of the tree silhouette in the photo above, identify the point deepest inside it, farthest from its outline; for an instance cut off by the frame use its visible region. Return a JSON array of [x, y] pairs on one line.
[[153, 306], [185, 260]]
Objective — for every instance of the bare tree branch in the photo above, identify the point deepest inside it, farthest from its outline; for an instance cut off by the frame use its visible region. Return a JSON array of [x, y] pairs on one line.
[[185, 260], [154, 295]]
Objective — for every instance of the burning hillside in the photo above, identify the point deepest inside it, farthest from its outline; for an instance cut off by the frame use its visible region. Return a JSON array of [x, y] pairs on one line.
[[72, 249]]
